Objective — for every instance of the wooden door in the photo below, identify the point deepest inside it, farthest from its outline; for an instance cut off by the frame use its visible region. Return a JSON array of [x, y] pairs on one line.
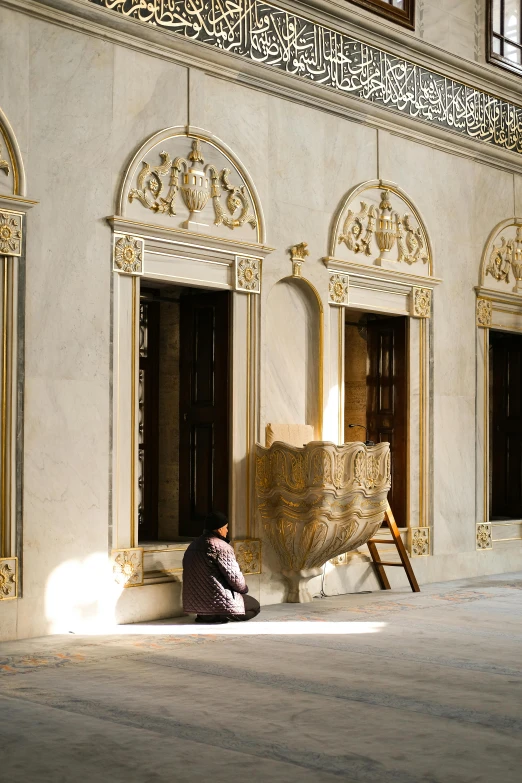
[[506, 425], [204, 408], [386, 401]]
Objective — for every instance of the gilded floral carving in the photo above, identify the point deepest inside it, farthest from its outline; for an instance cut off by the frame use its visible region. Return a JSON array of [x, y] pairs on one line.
[[484, 313], [421, 298], [484, 540], [338, 289], [10, 234], [248, 555], [8, 578], [128, 255], [420, 541], [127, 566], [248, 274], [505, 259], [158, 187]]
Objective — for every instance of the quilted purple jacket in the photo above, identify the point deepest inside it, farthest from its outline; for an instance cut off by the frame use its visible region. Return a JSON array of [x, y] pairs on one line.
[[212, 580]]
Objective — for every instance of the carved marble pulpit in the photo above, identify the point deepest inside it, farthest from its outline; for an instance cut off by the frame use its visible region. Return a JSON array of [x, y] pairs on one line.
[[319, 501]]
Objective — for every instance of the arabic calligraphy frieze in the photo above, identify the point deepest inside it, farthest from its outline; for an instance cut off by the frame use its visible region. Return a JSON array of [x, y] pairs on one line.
[[266, 34]]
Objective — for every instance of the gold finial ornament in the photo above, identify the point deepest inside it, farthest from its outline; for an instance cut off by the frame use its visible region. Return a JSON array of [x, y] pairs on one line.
[[298, 254], [386, 232]]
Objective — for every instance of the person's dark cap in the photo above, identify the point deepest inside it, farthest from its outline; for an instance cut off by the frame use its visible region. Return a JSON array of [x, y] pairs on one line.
[[215, 520]]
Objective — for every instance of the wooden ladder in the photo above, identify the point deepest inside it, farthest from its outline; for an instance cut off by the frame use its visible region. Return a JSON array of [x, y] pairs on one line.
[[405, 561]]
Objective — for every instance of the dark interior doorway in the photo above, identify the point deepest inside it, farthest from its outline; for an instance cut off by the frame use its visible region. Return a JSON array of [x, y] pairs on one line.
[[505, 425], [183, 410], [376, 392]]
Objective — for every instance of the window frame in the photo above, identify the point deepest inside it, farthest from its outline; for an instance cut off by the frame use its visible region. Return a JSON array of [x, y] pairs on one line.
[[404, 17], [491, 56]]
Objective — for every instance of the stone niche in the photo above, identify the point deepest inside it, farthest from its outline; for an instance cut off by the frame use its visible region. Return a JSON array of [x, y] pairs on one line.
[[293, 366]]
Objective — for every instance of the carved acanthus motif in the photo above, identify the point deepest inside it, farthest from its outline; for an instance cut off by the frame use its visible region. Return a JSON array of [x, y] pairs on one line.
[[506, 258], [127, 566], [484, 312], [248, 555], [411, 242], [10, 234], [8, 578], [338, 289], [298, 254], [197, 183], [248, 274], [420, 541], [319, 501], [128, 255], [421, 300], [484, 540]]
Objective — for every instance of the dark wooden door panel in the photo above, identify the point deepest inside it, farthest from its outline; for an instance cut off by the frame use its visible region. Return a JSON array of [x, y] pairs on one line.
[[387, 403], [204, 408], [148, 402], [506, 425]]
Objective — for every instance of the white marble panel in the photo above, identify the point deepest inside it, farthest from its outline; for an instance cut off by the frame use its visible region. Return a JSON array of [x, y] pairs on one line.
[[148, 94], [238, 116], [187, 271], [66, 473], [454, 472], [68, 252], [14, 87]]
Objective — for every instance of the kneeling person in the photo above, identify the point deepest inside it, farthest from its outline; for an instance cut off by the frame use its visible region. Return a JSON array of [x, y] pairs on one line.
[[213, 585]]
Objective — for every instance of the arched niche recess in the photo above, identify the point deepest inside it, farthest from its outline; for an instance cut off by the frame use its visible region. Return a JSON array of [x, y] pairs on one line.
[[13, 210], [380, 260], [293, 369], [187, 213], [499, 308]]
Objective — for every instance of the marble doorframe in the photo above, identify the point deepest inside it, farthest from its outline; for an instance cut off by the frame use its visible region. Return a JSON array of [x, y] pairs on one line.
[[503, 312], [14, 206], [387, 292], [182, 258]]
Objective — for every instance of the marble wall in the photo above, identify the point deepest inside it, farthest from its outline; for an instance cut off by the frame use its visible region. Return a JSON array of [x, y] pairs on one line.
[[81, 108]]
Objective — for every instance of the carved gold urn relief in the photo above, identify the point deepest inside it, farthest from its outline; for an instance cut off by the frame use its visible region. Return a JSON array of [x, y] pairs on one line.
[[319, 501]]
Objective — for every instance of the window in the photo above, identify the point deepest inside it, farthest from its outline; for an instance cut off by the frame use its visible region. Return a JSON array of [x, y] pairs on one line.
[[400, 11], [505, 40]]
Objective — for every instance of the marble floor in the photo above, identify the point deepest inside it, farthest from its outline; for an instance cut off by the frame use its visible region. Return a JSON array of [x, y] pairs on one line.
[[376, 688]]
